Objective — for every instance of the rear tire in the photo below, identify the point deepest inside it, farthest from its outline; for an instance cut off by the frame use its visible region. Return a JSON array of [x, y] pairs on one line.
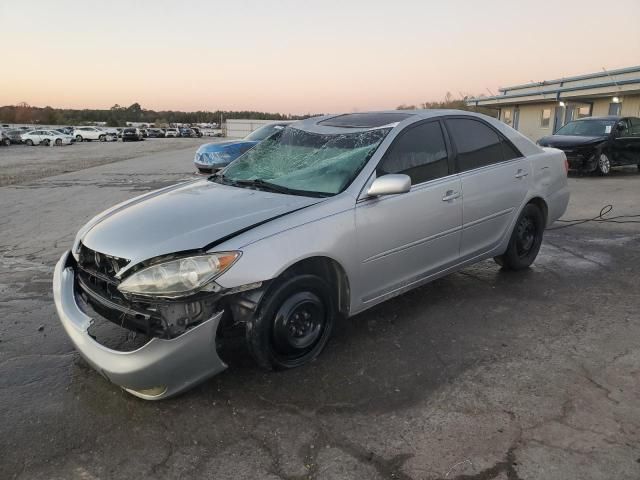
[[293, 323], [45, 142], [102, 138], [6, 142], [525, 240], [58, 142]]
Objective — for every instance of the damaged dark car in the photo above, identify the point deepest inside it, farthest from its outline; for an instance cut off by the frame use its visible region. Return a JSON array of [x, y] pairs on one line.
[[597, 144]]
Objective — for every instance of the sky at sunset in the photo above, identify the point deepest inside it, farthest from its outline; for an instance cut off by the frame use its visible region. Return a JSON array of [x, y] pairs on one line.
[[300, 56]]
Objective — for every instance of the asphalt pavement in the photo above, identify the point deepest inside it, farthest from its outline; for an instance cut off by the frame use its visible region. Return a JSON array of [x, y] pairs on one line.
[[480, 375]]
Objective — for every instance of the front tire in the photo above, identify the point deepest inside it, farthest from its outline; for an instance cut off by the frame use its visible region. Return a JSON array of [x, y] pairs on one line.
[[293, 323], [102, 138], [6, 142], [29, 142], [525, 240], [603, 167], [79, 138], [58, 142], [46, 143]]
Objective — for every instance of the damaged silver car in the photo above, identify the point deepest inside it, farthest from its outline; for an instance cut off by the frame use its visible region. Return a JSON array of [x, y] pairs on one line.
[[321, 221]]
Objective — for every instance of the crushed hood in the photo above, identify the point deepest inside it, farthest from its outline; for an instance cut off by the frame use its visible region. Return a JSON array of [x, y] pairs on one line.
[[187, 217], [569, 141]]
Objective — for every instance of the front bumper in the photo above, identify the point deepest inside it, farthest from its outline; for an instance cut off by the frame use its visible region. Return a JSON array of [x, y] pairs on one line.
[[581, 162], [159, 369]]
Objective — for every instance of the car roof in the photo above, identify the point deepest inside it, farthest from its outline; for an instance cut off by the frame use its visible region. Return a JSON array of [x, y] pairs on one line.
[[337, 124]]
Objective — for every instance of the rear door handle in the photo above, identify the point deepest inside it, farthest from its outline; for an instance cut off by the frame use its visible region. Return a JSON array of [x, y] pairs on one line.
[[450, 195], [521, 173]]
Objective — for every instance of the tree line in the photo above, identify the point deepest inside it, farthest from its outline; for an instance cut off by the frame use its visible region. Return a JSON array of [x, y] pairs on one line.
[[117, 116]]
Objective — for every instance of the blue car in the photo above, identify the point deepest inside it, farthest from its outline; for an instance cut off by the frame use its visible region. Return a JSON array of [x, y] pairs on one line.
[[213, 156]]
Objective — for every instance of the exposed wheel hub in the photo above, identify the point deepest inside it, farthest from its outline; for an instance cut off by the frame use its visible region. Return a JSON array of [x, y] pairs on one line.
[[298, 324], [526, 235]]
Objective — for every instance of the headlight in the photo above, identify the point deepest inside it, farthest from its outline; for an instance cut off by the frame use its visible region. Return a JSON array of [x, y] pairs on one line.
[[179, 277]]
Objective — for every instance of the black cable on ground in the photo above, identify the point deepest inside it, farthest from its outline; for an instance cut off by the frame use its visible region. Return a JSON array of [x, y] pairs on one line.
[[599, 218]]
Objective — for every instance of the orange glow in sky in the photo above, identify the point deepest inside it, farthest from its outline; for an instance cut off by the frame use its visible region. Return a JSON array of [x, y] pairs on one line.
[[299, 57]]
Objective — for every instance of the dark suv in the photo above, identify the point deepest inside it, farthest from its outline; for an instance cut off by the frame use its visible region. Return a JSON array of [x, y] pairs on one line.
[[131, 134], [596, 144]]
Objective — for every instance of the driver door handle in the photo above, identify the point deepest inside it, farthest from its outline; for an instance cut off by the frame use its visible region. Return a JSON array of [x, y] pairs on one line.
[[521, 173], [450, 195]]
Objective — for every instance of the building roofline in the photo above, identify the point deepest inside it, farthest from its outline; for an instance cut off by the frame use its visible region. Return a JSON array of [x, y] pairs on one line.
[[607, 73], [552, 91]]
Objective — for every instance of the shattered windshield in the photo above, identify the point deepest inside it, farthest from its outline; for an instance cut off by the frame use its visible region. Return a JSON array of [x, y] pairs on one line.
[[299, 162]]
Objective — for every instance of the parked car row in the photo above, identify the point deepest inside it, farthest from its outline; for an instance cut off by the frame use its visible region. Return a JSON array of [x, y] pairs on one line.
[[69, 135]]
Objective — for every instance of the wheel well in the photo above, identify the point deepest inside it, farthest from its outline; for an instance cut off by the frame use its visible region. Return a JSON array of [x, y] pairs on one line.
[[542, 205], [331, 271]]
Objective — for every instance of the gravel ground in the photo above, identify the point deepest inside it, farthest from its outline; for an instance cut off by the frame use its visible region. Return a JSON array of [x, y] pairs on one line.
[[480, 375], [21, 163]]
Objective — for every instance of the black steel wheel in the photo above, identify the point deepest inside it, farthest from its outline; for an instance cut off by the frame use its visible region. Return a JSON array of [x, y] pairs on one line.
[[525, 240], [293, 323]]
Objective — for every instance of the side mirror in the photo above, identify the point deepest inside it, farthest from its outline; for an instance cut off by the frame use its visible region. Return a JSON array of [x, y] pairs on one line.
[[391, 184], [620, 126]]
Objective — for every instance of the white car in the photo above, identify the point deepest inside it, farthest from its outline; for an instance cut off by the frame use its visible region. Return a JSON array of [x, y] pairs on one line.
[[112, 133], [47, 138], [91, 133], [172, 132]]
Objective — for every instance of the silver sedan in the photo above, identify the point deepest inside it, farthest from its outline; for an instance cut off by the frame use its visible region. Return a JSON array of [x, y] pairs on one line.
[[325, 219]]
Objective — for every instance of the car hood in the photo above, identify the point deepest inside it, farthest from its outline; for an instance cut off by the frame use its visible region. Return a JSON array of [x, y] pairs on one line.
[[229, 146], [187, 217], [569, 141]]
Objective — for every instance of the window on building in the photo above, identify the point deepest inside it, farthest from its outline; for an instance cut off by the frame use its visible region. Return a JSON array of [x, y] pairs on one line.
[[420, 152], [584, 111], [506, 116], [545, 118], [478, 145]]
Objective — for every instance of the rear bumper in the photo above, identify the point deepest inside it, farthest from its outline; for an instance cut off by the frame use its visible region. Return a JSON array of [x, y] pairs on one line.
[[159, 369]]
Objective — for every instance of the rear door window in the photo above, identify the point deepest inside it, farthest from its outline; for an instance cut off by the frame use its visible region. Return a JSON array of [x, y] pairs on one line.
[[419, 152], [478, 145]]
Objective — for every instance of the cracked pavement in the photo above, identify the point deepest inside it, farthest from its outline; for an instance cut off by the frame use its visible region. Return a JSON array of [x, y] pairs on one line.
[[480, 375]]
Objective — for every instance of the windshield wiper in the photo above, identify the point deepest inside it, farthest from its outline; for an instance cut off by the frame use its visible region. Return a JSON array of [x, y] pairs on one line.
[[264, 185]]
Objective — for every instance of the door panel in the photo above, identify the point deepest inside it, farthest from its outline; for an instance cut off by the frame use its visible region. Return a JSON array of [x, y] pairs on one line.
[[495, 180], [625, 147], [402, 238], [492, 196]]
